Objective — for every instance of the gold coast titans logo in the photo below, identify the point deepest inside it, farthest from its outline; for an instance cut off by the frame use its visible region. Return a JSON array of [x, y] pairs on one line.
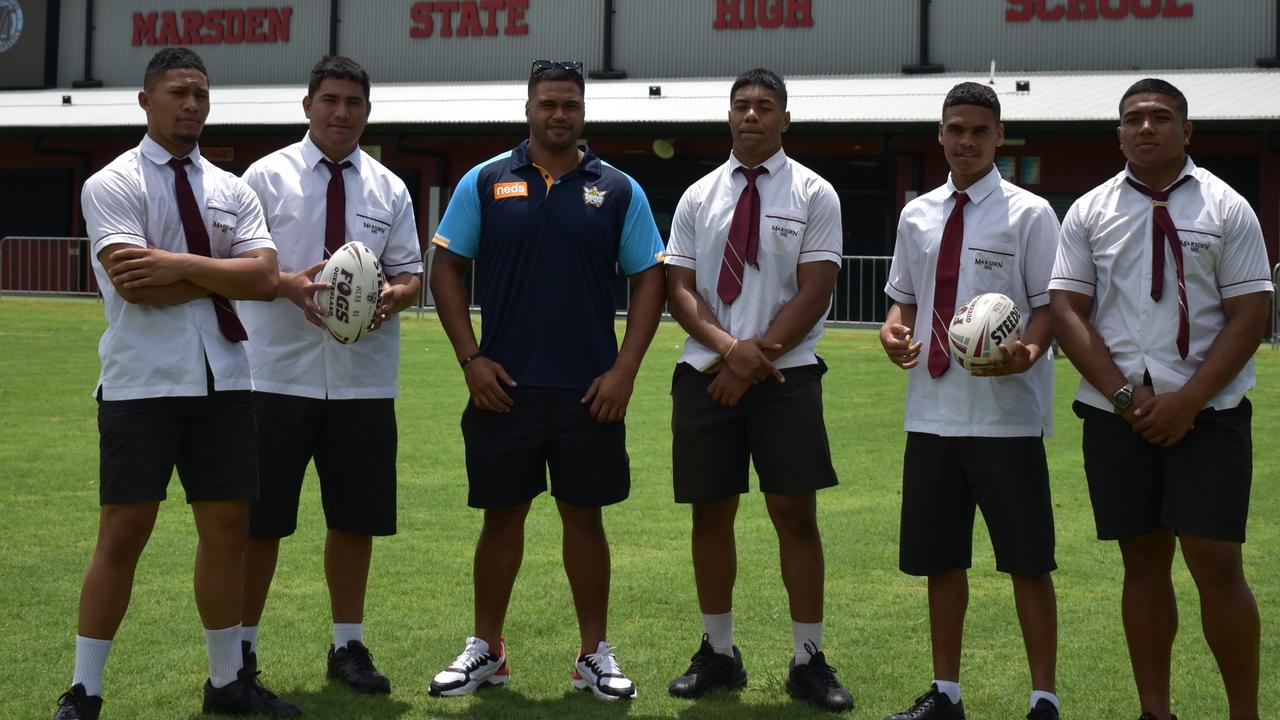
[[10, 23], [593, 196]]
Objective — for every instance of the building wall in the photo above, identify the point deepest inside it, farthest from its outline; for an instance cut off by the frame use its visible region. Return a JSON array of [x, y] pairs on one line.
[[679, 38], [1218, 34], [419, 41]]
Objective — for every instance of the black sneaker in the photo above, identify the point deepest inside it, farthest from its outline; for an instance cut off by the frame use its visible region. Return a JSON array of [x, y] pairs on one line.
[[1044, 710], [709, 670], [246, 697], [353, 666], [932, 705], [816, 682], [76, 704], [1151, 716]]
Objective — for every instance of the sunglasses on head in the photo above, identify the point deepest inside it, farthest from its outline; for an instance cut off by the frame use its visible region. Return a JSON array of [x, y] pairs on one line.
[[570, 65]]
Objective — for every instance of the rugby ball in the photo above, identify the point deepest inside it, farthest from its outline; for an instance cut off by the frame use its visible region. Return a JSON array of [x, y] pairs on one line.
[[980, 325], [355, 278]]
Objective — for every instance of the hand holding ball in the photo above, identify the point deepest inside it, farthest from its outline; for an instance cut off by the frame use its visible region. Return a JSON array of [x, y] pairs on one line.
[[980, 326], [355, 279]]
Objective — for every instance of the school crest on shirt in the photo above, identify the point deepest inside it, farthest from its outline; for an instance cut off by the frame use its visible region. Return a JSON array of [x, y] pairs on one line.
[[593, 196]]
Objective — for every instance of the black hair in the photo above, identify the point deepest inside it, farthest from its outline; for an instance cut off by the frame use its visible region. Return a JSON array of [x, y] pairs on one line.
[[172, 58], [338, 67], [555, 73], [765, 79], [971, 93], [1154, 85]]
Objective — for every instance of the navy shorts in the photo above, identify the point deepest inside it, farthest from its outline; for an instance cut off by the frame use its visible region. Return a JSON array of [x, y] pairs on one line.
[[777, 425], [353, 443], [945, 478], [1199, 486], [509, 454], [210, 440]]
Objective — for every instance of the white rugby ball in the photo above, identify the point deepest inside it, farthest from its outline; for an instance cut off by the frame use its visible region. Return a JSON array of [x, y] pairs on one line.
[[980, 325], [355, 277]]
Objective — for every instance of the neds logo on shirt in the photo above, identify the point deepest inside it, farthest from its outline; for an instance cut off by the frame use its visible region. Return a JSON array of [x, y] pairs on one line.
[[519, 188]]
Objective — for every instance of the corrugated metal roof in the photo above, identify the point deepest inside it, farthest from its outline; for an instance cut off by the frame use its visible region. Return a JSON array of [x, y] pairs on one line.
[[1244, 94]]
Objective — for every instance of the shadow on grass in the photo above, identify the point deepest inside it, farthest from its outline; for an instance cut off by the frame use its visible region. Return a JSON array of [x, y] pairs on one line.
[[336, 701]]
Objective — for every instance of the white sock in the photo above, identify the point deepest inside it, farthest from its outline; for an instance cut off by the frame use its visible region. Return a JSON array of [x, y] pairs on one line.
[[1038, 695], [225, 659], [344, 633], [808, 640], [719, 630], [249, 634], [950, 689], [91, 658]]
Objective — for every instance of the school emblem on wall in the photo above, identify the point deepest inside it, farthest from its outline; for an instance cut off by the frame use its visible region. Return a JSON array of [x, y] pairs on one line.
[[10, 23], [593, 195]]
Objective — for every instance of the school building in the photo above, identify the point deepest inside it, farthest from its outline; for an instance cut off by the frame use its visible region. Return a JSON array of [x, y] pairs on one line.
[[866, 80]]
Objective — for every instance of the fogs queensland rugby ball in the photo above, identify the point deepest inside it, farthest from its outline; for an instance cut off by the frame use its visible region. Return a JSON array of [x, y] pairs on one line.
[[355, 277]]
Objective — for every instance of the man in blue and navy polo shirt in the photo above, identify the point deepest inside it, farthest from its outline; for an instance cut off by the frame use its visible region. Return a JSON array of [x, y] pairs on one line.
[[548, 222]]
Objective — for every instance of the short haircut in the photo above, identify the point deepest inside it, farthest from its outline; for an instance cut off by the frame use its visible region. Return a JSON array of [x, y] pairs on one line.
[[172, 58], [556, 73], [972, 93], [765, 79], [338, 68], [1154, 85]]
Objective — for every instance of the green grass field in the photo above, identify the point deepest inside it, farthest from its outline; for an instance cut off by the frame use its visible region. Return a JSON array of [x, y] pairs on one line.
[[419, 608]]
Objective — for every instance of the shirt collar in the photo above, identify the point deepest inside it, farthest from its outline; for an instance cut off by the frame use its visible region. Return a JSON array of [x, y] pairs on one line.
[[312, 154], [1188, 168], [590, 162], [773, 164], [978, 191], [154, 152]]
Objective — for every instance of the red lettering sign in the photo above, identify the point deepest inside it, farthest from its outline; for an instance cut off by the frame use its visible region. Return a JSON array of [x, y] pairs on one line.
[[768, 14], [467, 18], [1052, 10], [212, 27]]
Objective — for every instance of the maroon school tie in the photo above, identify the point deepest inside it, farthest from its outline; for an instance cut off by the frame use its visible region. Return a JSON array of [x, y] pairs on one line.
[[198, 244], [1162, 232], [335, 211], [944, 286], [744, 238]]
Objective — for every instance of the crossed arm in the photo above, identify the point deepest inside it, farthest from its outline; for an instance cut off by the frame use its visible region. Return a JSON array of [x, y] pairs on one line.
[[151, 276]]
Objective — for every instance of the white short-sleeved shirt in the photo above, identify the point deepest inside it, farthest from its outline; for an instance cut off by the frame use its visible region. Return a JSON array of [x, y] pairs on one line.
[[1105, 253], [1010, 236], [160, 351], [289, 355], [799, 223]]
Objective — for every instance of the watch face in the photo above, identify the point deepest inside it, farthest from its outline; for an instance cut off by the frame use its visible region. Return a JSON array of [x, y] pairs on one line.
[[1122, 399]]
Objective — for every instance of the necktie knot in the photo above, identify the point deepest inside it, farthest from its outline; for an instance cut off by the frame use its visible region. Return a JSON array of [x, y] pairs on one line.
[[752, 173], [179, 163], [335, 168], [961, 198]]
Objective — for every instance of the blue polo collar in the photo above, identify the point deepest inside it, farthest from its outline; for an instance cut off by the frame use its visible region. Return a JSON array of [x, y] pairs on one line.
[[590, 163]]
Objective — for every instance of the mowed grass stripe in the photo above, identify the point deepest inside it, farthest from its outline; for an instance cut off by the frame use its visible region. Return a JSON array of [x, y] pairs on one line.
[[419, 608]]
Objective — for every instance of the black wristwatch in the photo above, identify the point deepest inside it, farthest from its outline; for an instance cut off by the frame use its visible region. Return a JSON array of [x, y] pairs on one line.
[[1123, 398]]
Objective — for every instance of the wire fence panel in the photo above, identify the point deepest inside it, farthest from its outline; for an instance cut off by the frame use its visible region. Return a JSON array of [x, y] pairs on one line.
[[46, 266]]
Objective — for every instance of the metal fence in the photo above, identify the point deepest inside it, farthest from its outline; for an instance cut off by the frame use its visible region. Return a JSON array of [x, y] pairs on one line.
[[858, 299], [46, 266], [1275, 310], [61, 266]]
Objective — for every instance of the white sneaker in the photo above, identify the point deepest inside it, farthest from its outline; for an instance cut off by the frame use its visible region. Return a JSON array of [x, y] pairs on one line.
[[600, 673], [476, 666]]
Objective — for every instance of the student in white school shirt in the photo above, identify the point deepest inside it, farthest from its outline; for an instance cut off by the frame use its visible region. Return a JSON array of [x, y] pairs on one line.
[[975, 234], [174, 240], [749, 385], [313, 396], [1164, 342]]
